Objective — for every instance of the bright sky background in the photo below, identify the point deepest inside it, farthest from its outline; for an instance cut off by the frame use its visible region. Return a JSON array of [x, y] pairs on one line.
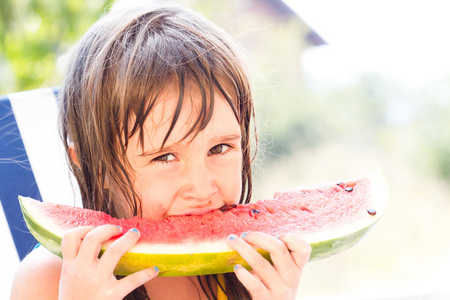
[[406, 40]]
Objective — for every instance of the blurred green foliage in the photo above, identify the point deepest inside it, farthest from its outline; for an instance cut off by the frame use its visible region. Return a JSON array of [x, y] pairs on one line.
[[34, 33]]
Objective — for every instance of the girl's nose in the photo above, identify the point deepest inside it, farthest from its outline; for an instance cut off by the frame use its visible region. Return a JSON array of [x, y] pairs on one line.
[[199, 183]]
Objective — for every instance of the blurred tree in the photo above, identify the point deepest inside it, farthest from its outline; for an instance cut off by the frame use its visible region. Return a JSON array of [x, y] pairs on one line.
[[34, 33]]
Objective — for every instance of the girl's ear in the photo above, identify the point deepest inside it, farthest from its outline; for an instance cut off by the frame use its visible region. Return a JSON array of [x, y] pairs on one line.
[[73, 155]]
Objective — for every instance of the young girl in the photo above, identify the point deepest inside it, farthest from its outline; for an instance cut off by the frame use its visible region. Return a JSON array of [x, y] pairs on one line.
[[156, 116]]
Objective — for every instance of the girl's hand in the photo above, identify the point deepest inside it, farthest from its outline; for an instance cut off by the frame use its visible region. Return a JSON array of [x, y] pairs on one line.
[[85, 276], [289, 254]]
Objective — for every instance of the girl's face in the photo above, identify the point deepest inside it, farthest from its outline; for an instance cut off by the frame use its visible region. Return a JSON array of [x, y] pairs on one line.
[[187, 176]]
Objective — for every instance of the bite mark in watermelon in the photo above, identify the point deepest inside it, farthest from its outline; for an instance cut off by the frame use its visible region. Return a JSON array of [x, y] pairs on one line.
[[332, 217]]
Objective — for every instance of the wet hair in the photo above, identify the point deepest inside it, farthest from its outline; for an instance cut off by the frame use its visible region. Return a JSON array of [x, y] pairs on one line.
[[116, 73]]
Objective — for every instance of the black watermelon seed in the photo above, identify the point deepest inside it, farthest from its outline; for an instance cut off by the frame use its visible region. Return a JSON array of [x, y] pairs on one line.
[[254, 212], [340, 183], [371, 211], [227, 208], [349, 189]]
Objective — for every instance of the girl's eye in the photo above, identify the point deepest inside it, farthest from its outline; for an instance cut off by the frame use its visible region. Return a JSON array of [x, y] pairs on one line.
[[165, 158], [219, 149]]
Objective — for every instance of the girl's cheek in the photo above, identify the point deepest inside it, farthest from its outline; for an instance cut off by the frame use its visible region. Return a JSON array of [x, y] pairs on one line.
[[232, 183], [154, 215], [154, 209]]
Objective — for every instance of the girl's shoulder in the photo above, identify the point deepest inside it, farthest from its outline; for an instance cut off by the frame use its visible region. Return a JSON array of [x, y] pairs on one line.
[[37, 276]]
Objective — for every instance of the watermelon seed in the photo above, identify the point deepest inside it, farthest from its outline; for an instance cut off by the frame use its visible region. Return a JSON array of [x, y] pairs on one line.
[[349, 189], [227, 207], [254, 212], [371, 211], [339, 183]]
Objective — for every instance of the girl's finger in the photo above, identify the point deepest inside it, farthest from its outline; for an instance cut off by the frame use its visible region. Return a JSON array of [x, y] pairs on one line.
[[253, 285], [72, 239], [117, 249], [300, 249], [279, 253], [92, 242], [259, 264], [131, 282]]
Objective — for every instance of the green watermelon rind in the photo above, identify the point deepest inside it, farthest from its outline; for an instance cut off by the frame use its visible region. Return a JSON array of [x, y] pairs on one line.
[[183, 264], [223, 262], [48, 239], [188, 264]]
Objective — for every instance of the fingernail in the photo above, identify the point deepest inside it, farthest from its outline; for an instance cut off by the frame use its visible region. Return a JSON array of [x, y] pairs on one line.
[[134, 230], [232, 237], [156, 269], [120, 228], [243, 234], [236, 267]]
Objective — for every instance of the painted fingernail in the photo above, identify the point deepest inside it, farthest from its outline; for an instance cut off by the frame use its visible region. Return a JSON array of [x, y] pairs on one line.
[[244, 234], [120, 228], [134, 230], [236, 267], [232, 237], [156, 269]]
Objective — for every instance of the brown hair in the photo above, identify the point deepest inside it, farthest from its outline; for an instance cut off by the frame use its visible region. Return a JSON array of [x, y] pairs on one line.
[[119, 68]]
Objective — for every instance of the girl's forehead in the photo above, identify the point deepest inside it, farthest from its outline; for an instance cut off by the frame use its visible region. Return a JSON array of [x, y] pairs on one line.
[[167, 107], [160, 119]]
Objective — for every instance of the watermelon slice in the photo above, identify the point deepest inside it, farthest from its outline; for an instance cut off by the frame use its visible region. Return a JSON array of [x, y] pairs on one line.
[[332, 217]]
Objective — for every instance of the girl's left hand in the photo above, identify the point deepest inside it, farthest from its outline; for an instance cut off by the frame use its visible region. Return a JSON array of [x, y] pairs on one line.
[[289, 254]]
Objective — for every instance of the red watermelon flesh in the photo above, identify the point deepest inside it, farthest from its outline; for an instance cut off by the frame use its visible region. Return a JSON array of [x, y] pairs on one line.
[[330, 215], [313, 210]]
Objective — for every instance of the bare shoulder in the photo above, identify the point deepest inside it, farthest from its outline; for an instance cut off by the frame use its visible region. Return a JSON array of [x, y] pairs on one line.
[[37, 276]]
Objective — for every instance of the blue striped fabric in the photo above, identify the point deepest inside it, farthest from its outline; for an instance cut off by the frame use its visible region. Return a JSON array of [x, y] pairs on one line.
[[16, 177], [32, 164]]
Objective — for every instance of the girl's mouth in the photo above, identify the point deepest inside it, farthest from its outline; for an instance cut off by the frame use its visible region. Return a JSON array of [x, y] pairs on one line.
[[205, 210], [198, 211]]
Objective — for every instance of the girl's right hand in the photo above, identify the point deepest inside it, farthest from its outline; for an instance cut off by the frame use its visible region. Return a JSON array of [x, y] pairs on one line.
[[86, 276]]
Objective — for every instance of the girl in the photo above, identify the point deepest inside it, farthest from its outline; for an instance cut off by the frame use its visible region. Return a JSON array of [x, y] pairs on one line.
[[155, 118]]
